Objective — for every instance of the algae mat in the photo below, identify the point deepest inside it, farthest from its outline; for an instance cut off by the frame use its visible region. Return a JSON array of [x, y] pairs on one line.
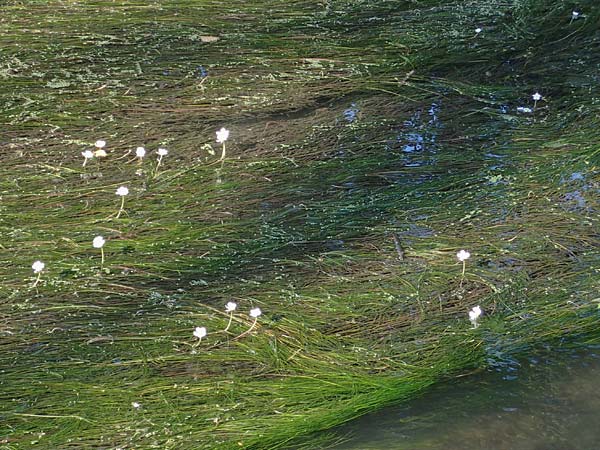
[[369, 142]]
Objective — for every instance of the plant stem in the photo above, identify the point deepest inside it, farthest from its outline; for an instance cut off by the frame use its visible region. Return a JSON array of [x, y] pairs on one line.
[[37, 280], [229, 323], [122, 205], [248, 330]]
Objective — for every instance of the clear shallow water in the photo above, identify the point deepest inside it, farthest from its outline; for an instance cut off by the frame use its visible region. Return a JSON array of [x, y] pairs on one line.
[[548, 403]]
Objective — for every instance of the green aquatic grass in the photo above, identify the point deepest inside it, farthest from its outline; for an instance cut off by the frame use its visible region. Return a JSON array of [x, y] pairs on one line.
[[298, 221]]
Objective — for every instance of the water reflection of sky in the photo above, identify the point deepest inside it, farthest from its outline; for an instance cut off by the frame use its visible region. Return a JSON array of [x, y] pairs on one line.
[[543, 403]]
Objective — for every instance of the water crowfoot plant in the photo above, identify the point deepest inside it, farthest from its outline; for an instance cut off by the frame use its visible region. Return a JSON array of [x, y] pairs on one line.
[[140, 152], [474, 315], [162, 152], [88, 154], [122, 192], [230, 307], [100, 152], [222, 136], [99, 242], [200, 332], [255, 313], [37, 267], [574, 16], [462, 256], [536, 98]]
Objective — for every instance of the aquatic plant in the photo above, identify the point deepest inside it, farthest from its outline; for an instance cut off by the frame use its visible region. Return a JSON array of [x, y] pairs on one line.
[[536, 98], [87, 154], [140, 152], [100, 152], [474, 315], [98, 242], [575, 15], [38, 267], [230, 307], [300, 224], [222, 136], [462, 256], [200, 332], [122, 192], [162, 152]]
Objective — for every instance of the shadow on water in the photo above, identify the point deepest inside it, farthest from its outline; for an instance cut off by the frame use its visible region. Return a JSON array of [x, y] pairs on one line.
[[543, 402]]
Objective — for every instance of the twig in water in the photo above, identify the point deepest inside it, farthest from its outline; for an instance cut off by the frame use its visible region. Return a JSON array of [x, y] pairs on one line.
[[398, 246]]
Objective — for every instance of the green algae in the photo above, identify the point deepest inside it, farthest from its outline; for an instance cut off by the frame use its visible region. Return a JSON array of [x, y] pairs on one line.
[[299, 218]]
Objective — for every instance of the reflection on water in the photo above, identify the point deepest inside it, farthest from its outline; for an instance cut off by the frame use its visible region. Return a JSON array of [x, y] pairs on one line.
[[550, 404]]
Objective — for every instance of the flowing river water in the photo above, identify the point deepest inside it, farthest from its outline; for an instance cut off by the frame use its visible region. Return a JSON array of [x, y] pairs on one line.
[[549, 401]]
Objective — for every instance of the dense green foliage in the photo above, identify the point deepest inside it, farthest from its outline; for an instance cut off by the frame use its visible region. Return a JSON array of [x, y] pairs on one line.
[[352, 122]]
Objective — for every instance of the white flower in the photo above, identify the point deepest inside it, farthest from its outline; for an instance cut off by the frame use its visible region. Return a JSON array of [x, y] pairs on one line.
[[463, 255], [88, 154], [136, 405], [140, 152], [536, 97], [478, 30], [100, 153], [200, 332], [524, 110], [474, 315], [255, 312], [162, 152], [230, 306], [222, 135], [38, 266], [100, 144], [98, 242], [122, 191], [575, 15]]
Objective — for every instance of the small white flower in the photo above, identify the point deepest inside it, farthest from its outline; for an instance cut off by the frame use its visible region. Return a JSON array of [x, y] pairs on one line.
[[100, 153], [98, 242], [162, 152], [100, 144], [478, 30], [524, 110], [463, 255], [88, 154], [536, 97], [140, 152], [200, 332], [38, 266], [122, 191], [230, 306], [136, 405], [222, 135], [575, 15], [474, 315], [255, 312]]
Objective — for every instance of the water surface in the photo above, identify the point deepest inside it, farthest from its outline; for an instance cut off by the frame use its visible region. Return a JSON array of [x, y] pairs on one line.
[[546, 403]]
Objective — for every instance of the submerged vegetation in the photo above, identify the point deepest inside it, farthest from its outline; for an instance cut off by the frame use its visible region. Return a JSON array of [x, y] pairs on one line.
[[368, 141]]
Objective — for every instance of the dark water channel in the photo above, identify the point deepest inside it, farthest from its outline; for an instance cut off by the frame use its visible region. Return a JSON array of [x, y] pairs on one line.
[[550, 402]]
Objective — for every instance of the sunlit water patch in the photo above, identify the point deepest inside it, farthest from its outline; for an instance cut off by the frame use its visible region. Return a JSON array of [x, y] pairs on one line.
[[539, 403]]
